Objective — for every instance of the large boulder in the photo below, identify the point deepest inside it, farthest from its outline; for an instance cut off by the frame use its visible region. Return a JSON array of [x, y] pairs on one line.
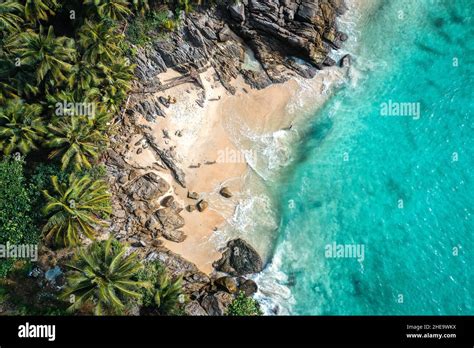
[[194, 308], [227, 283], [202, 205], [194, 283], [345, 61], [217, 303], [148, 187], [225, 34], [166, 222], [193, 195], [309, 12], [248, 287], [174, 235], [167, 201], [169, 219], [237, 11], [240, 258]]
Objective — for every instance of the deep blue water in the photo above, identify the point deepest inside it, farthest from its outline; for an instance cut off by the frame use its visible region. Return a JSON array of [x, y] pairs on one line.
[[400, 186]]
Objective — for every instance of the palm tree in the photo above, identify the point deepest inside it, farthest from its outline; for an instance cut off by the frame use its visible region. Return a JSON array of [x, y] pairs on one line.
[[75, 209], [167, 294], [7, 86], [113, 98], [39, 9], [9, 20], [83, 76], [48, 55], [114, 9], [103, 277], [75, 139], [99, 120], [15, 82], [119, 73], [74, 96], [21, 127], [116, 83], [99, 42]]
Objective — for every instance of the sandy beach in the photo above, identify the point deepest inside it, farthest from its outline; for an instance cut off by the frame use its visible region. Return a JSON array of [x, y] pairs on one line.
[[208, 151]]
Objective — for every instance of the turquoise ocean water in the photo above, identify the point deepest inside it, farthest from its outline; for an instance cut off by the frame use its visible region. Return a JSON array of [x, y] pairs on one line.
[[400, 186]]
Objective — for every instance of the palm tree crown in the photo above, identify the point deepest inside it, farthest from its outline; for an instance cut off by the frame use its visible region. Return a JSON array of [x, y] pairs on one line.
[[75, 209], [48, 55], [21, 127], [114, 9], [39, 9], [76, 140], [167, 294], [99, 42], [103, 276], [9, 20]]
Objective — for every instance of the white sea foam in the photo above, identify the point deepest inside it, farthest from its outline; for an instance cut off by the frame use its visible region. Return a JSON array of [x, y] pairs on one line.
[[273, 294], [254, 219]]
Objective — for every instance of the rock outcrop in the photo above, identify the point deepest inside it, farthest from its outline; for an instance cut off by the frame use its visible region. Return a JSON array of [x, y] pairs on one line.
[[227, 284], [248, 287], [216, 304], [240, 258], [286, 37], [148, 187], [194, 308], [167, 156]]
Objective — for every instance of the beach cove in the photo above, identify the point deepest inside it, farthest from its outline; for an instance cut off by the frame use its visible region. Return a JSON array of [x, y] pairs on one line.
[[291, 162]]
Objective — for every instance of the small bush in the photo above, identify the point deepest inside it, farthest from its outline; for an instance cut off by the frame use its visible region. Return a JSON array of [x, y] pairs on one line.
[[40, 180], [140, 28], [244, 306], [16, 225]]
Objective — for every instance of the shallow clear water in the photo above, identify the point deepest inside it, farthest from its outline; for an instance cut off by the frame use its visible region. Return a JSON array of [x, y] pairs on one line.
[[400, 186]]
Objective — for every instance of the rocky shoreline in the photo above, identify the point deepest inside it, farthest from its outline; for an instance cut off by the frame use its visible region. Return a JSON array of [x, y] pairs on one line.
[[287, 38]]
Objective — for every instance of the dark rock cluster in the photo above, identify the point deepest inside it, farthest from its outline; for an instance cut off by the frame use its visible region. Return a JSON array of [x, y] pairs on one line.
[[286, 37]]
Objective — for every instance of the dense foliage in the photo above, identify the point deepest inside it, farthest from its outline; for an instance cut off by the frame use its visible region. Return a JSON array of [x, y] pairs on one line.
[[165, 296], [64, 73], [102, 277], [16, 225], [243, 305], [75, 209]]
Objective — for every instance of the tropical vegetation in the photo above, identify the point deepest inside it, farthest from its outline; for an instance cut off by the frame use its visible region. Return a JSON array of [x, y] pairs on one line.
[[164, 296], [102, 278], [243, 305], [55, 56], [15, 208], [74, 209]]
